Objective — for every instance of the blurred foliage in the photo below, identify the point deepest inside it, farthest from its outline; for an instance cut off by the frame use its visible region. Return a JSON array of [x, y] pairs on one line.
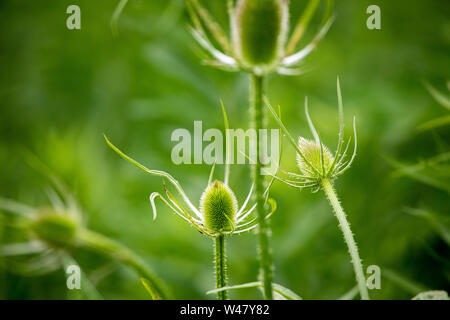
[[60, 90]]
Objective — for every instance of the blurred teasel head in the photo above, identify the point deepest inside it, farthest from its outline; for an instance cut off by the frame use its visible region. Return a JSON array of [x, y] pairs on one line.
[[55, 229], [259, 31], [259, 41], [51, 231]]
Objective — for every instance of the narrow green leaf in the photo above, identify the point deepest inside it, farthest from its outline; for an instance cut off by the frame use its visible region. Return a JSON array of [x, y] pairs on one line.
[[22, 248], [438, 96], [328, 12], [350, 295], [236, 287], [116, 15], [285, 292], [412, 171], [433, 221], [148, 286], [277, 288], [435, 123], [403, 282], [432, 295], [15, 207]]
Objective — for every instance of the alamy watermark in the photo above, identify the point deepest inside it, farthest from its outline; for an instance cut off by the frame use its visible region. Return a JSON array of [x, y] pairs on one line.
[[374, 20], [73, 21], [373, 277], [236, 146], [73, 277]]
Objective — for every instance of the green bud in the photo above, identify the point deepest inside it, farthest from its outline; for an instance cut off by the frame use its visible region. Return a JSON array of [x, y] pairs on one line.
[[55, 229], [260, 29], [312, 152], [218, 205]]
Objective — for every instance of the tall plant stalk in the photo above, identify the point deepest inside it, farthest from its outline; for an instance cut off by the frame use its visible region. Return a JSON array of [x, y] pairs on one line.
[[257, 44], [258, 122], [102, 244], [348, 237], [220, 266]]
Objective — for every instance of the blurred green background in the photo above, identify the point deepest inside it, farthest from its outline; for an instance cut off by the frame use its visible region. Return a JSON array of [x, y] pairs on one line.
[[61, 89]]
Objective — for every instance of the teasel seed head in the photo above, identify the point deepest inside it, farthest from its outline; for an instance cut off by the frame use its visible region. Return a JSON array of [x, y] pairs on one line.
[[218, 205], [55, 229], [314, 159], [260, 32], [315, 155]]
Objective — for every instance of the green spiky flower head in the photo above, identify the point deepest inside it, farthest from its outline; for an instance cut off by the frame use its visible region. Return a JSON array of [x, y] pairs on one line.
[[260, 31], [218, 205], [317, 160], [55, 229]]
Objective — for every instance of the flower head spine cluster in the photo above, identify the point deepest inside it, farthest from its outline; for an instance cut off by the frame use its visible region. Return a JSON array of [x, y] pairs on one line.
[[315, 161]]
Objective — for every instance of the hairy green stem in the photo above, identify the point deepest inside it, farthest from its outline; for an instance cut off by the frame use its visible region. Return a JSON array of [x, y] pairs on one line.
[[258, 119], [348, 237], [105, 245], [220, 265]]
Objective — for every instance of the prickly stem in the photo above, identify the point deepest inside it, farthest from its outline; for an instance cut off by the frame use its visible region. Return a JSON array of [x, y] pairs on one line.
[[258, 118]]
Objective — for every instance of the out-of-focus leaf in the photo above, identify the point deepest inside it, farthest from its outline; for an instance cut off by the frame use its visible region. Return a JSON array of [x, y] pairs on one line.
[[277, 288], [21, 248], [432, 295], [435, 123], [238, 286], [148, 286], [101, 273], [438, 96], [116, 15], [412, 171], [434, 222], [15, 207], [350, 295], [285, 292], [407, 284]]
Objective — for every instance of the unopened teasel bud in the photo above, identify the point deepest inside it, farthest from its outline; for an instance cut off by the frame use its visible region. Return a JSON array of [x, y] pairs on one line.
[[312, 151], [218, 205]]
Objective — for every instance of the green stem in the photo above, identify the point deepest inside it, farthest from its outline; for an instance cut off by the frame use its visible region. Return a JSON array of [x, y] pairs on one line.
[[220, 266], [265, 255], [348, 237], [102, 244]]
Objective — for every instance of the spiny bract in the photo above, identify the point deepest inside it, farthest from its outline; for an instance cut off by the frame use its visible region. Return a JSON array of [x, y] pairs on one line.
[[260, 31], [312, 152], [315, 161], [218, 205]]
